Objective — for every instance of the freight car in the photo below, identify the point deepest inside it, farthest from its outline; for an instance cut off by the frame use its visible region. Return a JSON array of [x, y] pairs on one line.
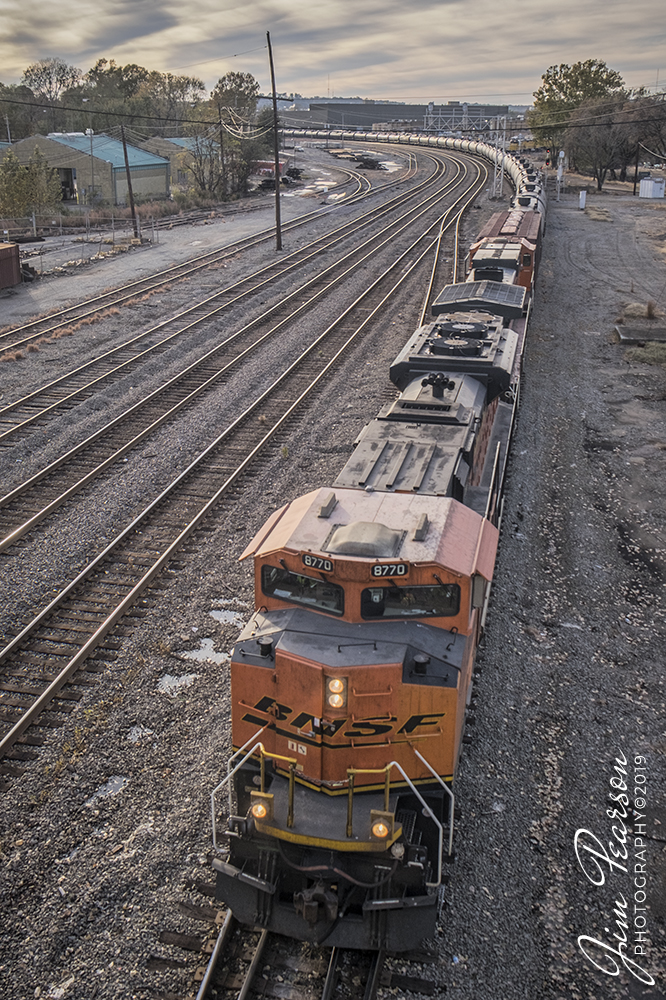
[[350, 684]]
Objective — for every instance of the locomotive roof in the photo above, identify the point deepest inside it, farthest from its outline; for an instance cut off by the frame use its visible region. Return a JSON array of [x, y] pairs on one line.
[[518, 223], [455, 536], [493, 296]]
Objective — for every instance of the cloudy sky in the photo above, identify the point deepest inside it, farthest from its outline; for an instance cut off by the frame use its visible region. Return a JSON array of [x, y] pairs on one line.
[[409, 50]]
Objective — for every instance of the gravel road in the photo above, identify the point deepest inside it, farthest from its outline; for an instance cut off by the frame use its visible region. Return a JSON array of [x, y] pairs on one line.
[[101, 840]]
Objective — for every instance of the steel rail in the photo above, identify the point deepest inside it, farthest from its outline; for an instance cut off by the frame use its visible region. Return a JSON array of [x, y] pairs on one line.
[[114, 426], [32, 713], [175, 272], [296, 258], [433, 272], [222, 939], [346, 231], [187, 268], [254, 965]]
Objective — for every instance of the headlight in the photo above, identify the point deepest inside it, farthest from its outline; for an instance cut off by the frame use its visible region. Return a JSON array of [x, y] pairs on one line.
[[261, 806], [381, 825], [336, 692]]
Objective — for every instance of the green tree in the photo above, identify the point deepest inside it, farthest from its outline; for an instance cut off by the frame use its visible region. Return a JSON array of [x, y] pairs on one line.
[[565, 88], [109, 80], [19, 118], [24, 189], [236, 96]]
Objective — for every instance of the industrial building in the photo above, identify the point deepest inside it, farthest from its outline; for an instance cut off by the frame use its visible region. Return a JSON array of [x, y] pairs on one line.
[[455, 116], [92, 167]]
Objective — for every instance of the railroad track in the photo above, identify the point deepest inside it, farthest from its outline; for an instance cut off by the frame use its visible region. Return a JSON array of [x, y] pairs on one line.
[[20, 337], [20, 415], [37, 498], [251, 962], [45, 666]]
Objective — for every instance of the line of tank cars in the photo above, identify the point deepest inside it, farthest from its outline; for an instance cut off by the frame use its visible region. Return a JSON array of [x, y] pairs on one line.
[[351, 682]]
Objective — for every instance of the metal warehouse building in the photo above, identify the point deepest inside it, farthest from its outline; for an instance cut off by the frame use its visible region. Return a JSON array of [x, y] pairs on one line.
[[92, 167]]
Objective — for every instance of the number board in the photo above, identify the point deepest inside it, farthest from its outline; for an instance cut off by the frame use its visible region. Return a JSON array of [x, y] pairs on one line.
[[316, 562], [390, 569]]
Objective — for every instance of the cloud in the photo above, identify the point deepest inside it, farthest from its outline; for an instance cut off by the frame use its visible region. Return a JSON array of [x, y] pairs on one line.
[[449, 49]]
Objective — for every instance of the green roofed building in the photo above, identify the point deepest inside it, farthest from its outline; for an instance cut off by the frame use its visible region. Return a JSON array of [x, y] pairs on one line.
[[92, 167]]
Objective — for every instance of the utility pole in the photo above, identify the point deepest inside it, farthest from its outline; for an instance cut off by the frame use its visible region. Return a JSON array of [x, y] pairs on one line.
[[90, 134], [9, 134], [276, 149], [638, 148], [223, 179], [500, 147], [129, 184]]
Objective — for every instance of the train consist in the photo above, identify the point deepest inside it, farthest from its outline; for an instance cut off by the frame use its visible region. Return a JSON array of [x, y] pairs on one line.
[[351, 682]]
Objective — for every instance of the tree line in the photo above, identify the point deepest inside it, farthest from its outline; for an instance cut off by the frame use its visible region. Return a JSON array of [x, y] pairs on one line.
[[603, 127], [56, 97], [227, 135]]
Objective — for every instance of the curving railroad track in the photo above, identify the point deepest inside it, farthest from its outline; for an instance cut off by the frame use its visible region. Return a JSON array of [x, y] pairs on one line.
[[36, 498], [46, 663], [20, 337]]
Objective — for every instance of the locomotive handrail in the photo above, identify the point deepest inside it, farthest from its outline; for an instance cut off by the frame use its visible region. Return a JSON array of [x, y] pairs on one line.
[[427, 811], [246, 745], [448, 792], [230, 773], [226, 781]]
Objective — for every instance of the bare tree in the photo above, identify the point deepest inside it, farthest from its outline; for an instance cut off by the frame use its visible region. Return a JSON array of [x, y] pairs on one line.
[[600, 138], [48, 78]]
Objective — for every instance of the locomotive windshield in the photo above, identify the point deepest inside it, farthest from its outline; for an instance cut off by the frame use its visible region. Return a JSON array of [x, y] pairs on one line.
[[410, 602], [299, 589]]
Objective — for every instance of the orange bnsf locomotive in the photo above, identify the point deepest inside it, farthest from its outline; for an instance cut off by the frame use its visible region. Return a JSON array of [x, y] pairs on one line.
[[351, 681]]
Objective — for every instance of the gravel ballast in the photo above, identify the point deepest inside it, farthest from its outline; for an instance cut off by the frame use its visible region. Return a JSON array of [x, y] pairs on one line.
[[103, 833]]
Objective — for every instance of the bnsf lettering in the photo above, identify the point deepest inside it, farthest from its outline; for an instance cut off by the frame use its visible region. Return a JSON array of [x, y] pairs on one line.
[[390, 569], [370, 727], [274, 708], [359, 728], [420, 720]]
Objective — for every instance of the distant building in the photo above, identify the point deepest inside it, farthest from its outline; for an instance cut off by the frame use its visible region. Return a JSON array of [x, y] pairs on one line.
[[352, 114], [456, 116], [92, 167]]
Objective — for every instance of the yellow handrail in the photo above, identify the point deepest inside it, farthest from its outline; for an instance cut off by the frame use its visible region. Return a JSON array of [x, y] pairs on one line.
[[351, 772], [292, 777]]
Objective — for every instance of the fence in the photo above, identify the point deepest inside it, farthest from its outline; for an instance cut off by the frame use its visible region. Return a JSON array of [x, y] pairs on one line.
[[54, 243]]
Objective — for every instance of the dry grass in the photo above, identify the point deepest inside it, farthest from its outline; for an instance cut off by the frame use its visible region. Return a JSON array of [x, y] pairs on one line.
[[640, 310], [65, 331], [654, 353], [138, 299], [598, 214]]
